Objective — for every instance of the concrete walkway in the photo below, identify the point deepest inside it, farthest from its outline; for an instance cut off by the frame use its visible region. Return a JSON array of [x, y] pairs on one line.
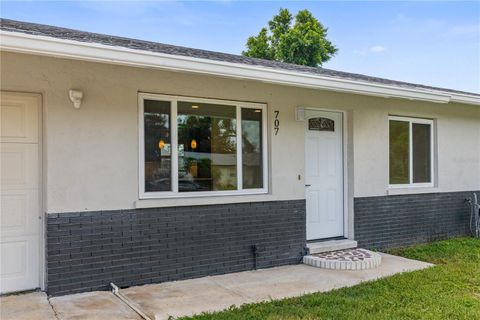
[[27, 306], [183, 298]]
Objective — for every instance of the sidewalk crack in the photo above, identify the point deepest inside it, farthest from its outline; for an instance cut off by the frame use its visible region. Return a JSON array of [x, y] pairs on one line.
[[55, 313], [231, 290]]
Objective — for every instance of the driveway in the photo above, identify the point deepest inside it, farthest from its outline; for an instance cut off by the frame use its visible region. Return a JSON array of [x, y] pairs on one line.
[[188, 297]]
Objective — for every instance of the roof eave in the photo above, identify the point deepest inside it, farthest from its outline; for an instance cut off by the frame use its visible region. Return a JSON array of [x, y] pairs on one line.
[[62, 48]]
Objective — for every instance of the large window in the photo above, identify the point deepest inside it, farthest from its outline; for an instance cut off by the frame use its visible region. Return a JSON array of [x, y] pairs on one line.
[[192, 146], [411, 151]]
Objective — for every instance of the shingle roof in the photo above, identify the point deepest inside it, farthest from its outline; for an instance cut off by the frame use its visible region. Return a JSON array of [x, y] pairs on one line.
[[89, 37]]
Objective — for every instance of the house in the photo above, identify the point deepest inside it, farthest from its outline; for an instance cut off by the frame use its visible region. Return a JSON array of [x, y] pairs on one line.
[[135, 162]]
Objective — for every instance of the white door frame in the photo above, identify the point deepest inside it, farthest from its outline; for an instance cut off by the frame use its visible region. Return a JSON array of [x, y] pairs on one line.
[[300, 115], [42, 162], [42, 277]]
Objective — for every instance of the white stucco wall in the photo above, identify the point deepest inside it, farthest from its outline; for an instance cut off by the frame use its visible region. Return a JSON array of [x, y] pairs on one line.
[[91, 154]]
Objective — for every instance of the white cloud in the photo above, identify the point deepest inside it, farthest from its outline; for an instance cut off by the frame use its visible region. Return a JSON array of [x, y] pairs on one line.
[[473, 29], [401, 18], [373, 49], [436, 27], [377, 49]]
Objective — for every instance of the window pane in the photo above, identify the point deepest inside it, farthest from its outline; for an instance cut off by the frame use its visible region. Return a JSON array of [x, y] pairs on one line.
[[399, 154], [421, 152], [158, 175], [252, 148], [207, 146]]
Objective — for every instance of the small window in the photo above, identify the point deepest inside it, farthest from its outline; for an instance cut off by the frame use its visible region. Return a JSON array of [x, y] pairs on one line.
[[321, 124], [201, 147], [411, 149]]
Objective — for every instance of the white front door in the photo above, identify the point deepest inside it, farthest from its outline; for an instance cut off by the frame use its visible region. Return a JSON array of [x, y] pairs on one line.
[[324, 174], [19, 191]]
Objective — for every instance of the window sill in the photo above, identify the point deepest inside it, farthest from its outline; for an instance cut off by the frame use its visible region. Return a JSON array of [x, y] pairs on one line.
[[200, 194], [205, 200], [411, 190]]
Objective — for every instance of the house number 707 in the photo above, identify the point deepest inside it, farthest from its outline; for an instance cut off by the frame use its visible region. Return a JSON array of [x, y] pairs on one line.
[[276, 122]]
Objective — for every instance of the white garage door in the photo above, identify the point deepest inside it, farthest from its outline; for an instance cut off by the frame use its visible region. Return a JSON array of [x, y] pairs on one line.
[[20, 215]]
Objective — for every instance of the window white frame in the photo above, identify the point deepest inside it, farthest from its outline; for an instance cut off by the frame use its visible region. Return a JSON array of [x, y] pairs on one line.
[[411, 121], [174, 147]]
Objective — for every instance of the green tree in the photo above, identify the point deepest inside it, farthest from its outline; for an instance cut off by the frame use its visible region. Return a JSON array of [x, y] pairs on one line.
[[303, 41]]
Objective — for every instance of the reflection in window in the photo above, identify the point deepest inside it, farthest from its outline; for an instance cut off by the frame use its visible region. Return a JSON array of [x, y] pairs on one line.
[[252, 148], [421, 152], [157, 146], [399, 154], [219, 146], [207, 147], [410, 151]]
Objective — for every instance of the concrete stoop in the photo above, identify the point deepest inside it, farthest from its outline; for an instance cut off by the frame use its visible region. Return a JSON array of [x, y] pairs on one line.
[[348, 259]]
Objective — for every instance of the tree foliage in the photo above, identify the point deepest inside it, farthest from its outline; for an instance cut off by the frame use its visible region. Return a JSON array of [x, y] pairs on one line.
[[303, 41]]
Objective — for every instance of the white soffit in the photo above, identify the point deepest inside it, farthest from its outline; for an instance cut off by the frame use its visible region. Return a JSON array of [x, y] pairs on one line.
[[62, 48]]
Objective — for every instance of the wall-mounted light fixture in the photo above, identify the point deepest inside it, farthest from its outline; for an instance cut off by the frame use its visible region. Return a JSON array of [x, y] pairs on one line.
[[300, 114], [76, 97]]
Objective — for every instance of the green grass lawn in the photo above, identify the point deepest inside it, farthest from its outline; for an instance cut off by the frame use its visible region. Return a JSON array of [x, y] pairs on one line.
[[449, 290]]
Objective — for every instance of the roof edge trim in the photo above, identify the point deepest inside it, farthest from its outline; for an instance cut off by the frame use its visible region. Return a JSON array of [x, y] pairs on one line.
[[62, 48]]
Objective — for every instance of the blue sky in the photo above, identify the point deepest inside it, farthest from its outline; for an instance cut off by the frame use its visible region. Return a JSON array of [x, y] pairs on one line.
[[434, 43]]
